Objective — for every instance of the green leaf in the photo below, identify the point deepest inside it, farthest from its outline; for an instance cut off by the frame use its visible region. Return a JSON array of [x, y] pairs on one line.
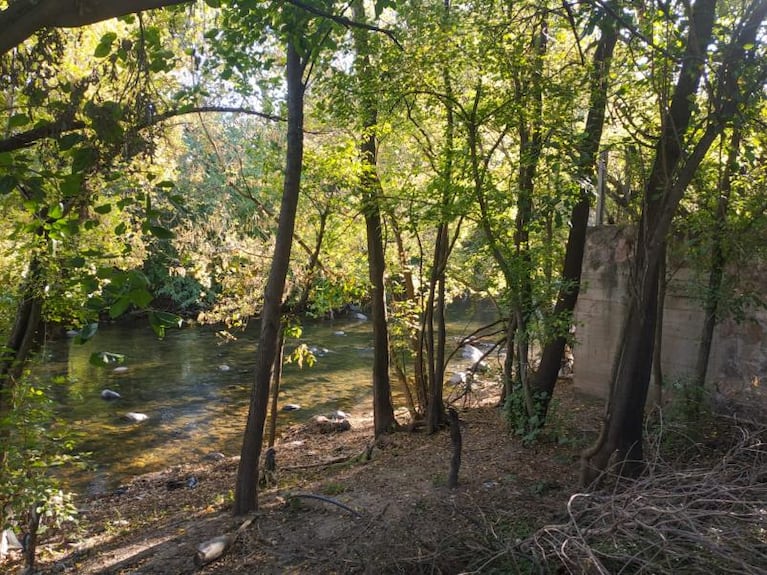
[[160, 320], [56, 211], [7, 184], [140, 297], [86, 333], [105, 45], [120, 228], [71, 184], [68, 140], [105, 358], [83, 158], [119, 307], [18, 120], [161, 233], [103, 209]]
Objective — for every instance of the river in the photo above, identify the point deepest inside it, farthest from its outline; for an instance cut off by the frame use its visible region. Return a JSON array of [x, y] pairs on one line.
[[194, 387]]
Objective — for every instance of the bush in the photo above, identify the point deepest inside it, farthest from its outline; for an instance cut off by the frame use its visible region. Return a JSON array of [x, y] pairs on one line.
[[31, 446]]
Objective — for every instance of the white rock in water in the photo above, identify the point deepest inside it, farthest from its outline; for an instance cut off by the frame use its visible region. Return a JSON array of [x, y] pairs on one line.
[[471, 352], [339, 333], [135, 417], [120, 369], [224, 367], [360, 316], [338, 414], [458, 377], [291, 407], [109, 394]]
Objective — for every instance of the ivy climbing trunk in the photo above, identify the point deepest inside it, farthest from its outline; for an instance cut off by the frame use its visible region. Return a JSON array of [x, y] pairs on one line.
[[246, 496]]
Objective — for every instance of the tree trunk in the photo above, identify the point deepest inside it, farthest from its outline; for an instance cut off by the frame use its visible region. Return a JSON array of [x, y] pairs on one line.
[[718, 261], [383, 410], [622, 443], [246, 497], [657, 363], [276, 381], [530, 148], [665, 188], [545, 379], [435, 337], [22, 338]]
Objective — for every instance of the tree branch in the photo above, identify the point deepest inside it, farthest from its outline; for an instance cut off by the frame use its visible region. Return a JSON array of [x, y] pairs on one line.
[[344, 21], [23, 18], [66, 124]]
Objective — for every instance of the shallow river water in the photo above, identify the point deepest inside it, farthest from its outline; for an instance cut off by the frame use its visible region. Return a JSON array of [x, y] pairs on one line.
[[195, 388]]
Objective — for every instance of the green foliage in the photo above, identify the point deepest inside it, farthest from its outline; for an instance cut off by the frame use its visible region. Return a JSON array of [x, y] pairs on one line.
[[527, 426], [32, 446]]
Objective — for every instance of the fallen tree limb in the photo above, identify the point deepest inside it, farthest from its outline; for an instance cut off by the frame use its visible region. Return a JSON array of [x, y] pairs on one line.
[[212, 549], [326, 500], [365, 455]]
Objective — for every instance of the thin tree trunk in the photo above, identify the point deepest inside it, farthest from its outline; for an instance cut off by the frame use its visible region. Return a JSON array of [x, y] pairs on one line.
[[545, 379], [246, 496], [383, 410], [276, 381], [718, 261], [435, 342], [657, 365], [22, 337], [530, 147]]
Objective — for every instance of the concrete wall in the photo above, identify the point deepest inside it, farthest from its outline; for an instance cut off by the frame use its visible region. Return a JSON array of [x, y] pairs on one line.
[[738, 360]]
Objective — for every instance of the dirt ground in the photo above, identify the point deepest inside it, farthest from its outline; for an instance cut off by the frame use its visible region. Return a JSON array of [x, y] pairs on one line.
[[392, 513]]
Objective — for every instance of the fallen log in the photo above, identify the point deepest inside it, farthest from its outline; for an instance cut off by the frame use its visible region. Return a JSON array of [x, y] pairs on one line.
[[212, 549]]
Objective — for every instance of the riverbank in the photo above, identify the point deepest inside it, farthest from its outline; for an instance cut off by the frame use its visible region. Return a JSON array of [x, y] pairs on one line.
[[404, 513], [392, 512]]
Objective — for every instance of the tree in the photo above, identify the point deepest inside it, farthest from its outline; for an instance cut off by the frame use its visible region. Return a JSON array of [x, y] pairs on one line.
[[383, 411], [543, 381], [245, 499], [678, 153]]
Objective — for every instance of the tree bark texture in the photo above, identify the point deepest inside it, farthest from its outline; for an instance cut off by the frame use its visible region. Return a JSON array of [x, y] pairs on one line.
[[622, 442], [545, 379], [23, 18], [246, 497], [383, 409], [457, 443]]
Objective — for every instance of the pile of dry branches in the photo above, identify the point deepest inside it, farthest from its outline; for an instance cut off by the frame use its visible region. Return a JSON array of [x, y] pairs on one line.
[[708, 519]]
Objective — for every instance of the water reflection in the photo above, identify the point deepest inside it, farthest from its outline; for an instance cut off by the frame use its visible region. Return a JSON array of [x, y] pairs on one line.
[[195, 389]]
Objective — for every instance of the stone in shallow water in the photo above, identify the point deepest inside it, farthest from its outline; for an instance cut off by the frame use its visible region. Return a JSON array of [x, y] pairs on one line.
[[108, 394], [291, 407], [135, 417]]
